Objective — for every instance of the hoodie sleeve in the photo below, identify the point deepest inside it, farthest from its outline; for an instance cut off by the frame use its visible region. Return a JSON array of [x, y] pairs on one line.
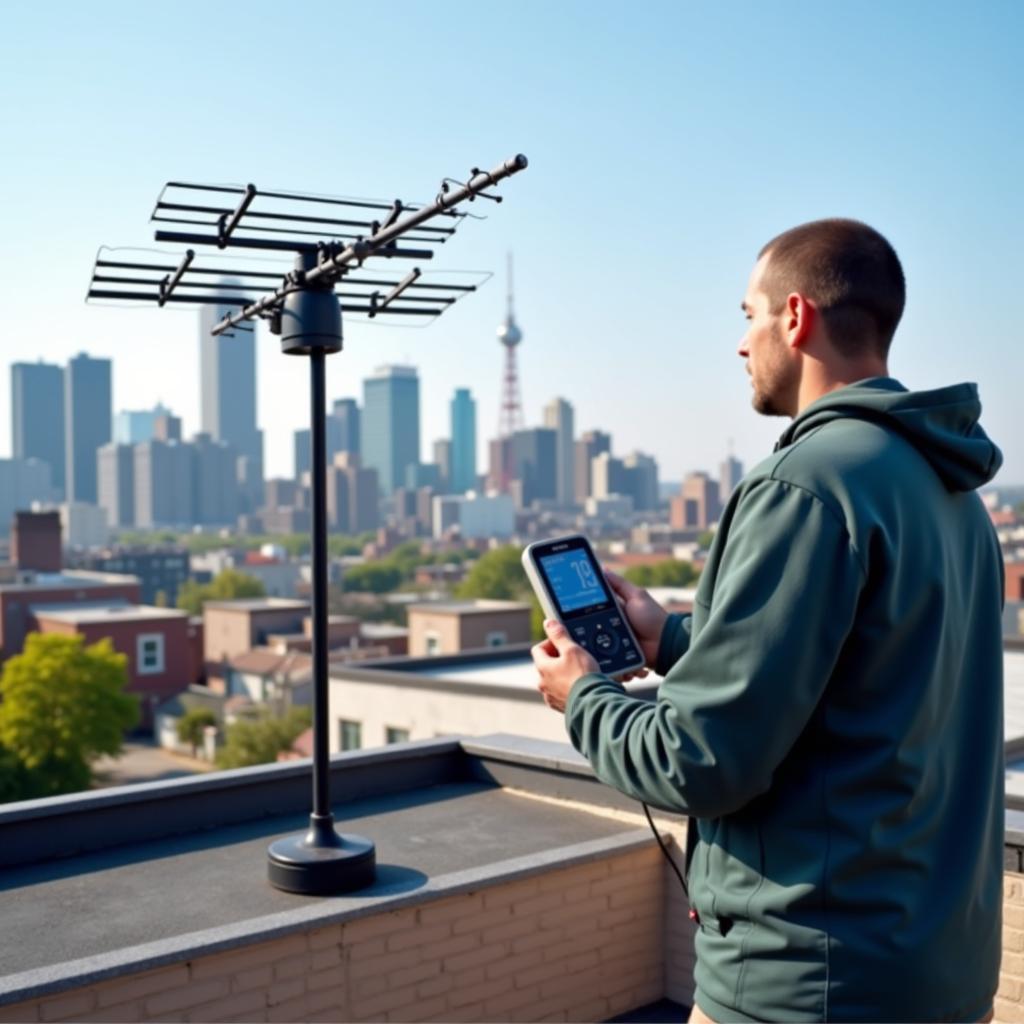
[[731, 708]]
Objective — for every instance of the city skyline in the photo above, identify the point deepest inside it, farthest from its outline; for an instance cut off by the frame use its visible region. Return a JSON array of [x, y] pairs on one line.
[[627, 296]]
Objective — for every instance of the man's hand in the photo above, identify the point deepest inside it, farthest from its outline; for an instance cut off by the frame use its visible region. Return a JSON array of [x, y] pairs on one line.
[[645, 615], [560, 663]]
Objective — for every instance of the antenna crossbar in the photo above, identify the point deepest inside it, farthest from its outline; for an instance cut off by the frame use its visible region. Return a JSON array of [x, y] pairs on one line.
[[329, 269]]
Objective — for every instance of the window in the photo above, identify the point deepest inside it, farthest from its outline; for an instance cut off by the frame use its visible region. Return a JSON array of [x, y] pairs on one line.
[[496, 638], [394, 735], [150, 653], [350, 735], [433, 641]]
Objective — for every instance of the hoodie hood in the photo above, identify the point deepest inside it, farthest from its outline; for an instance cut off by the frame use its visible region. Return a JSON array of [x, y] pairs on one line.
[[942, 425]]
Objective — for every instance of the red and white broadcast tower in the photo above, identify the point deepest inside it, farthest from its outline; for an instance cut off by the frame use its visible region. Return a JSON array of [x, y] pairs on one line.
[[511, 413]]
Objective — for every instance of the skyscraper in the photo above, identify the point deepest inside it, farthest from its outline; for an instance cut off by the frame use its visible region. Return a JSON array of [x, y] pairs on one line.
[[116, 484], [87, 423], [729, 476], [592, 443], [558, 415], [391, 424], [37, 416], [164, 482], [227, 381], [534, 462], [463, 417], [131, 426], [343, 428]]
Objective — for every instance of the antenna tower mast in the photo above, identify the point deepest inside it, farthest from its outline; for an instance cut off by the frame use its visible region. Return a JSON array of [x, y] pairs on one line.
[[329, 240]]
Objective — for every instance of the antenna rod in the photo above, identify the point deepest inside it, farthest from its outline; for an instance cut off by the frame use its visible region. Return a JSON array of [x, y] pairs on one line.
[[398, 289], [228, 225], [358, 251], [168, 284]]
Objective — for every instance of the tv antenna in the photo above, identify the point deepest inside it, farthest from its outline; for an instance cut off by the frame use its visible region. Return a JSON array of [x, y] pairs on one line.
[[331, 239]]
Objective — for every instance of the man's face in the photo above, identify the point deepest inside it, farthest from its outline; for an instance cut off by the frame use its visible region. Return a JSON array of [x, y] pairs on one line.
[[774, 370]]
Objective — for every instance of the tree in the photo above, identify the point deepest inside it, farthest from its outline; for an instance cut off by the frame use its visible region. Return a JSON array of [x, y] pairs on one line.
[[260, 740], [192, 724], [669, 573], [63, 704], [375, 577], [497, 574], [228, 585]]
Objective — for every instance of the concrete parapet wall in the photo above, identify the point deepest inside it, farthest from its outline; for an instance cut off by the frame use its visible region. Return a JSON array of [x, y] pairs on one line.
[[582, 943]]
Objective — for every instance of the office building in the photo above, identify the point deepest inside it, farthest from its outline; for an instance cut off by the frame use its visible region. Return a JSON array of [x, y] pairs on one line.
[[590, 444], [343, 428], [37, 417], [35, 541], [443, 460], [116, 486], [474, 516], [133, 426], [216, 492], [558, 415], [353, 495], [535, 464], [87, 421], [227, 380], [642, 481], [164, 484], [730, 475], [22, 482], [607, 476], [696, 506], [83, 525], [391, 424], [463, 446]]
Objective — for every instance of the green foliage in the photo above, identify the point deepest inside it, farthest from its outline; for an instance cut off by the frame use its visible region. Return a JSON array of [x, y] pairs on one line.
[[191, 726], [497, 574], [669, 573], [339, 544], [63, 704], [375, 577], [226, 586], [260, 740]]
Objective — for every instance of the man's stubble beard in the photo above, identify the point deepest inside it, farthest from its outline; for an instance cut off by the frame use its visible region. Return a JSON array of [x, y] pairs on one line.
[[770, 396]]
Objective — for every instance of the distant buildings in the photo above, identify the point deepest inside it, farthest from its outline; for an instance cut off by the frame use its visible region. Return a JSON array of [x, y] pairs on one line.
[[87, 421], [227, 383], [588, 447], [391, 424], [558, 415], [729, 476], [37, 417], [463, 444], [132, 426], [697, 504], [22, 482]]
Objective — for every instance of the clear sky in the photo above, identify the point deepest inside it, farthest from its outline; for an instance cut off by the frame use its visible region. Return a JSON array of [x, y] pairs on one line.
[[667, 142]]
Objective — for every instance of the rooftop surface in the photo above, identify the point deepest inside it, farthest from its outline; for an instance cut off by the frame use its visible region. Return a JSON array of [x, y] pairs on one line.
[[260, 604], [478, 606], [71, 579], [80, 613]]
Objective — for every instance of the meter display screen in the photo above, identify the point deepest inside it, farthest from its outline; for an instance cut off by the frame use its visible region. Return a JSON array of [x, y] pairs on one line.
[[574, 580]]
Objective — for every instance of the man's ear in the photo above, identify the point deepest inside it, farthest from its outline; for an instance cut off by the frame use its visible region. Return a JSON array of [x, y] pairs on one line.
[[799, 318]]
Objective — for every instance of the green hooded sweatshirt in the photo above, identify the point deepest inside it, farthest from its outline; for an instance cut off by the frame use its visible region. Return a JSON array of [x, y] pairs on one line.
[[831, 716]]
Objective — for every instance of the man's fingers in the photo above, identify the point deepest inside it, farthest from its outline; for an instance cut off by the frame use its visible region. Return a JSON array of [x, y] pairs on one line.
[[558, 635], [620, 584]]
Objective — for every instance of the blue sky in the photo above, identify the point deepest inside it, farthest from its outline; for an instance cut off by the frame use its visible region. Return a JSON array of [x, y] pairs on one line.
[[667, 143]]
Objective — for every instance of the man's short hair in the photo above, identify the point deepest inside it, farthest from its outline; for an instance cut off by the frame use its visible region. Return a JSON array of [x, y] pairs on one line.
[[851, 274]]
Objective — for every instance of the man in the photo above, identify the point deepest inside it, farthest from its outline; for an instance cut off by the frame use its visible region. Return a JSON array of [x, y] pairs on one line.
[[831, 714]]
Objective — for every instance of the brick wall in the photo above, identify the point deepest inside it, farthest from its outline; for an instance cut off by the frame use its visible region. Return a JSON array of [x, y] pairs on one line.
[[579, 944], [1009, 1001]]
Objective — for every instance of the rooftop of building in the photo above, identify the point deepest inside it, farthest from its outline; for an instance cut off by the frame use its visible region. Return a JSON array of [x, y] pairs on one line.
[[259, 604], [508, 668], [81, 613], [476, 606], [70, 579]]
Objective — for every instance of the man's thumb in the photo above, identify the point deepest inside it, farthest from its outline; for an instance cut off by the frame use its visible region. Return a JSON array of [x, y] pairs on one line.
[[557, 634]]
